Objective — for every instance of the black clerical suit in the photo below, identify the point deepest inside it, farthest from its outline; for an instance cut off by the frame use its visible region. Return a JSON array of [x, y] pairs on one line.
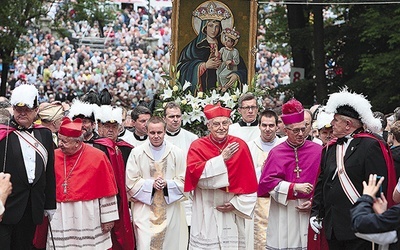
[[25, 206], [362, 158]]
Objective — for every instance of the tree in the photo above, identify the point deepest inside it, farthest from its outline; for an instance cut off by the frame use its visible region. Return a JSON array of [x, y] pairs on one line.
[[93, 11], [15, 17]]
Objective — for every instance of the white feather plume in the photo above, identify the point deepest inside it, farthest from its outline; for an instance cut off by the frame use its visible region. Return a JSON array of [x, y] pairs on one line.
[[81, 108], [108, 113], [25, 94], [359, 103]]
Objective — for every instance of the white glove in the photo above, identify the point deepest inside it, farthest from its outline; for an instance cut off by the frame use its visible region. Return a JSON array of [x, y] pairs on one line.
[[49, 213], [316, 224]]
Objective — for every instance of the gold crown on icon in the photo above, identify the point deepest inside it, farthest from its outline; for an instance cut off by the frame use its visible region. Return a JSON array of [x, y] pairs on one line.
[[212, 12], [232, 33]]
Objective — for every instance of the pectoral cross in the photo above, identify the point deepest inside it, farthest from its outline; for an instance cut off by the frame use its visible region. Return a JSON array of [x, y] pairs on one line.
[[297, 171], [65, 186]]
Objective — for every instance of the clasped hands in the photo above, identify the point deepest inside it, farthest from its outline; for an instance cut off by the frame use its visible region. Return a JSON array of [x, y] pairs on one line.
[[159, 183]]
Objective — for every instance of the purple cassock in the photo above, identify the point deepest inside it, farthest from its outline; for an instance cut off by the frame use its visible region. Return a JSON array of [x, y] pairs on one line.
[[281, 165]]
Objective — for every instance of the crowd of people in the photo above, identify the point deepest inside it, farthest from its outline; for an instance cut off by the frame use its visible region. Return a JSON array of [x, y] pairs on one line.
[[62, 70], [268, 181], [89, 168]]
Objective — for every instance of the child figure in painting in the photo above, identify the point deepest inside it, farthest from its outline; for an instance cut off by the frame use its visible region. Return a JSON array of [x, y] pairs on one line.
[[229, 56]]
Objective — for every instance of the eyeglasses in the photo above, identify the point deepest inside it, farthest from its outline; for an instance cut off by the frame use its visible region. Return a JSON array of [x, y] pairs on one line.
[[296, 130], [218, 124], [248, 108]]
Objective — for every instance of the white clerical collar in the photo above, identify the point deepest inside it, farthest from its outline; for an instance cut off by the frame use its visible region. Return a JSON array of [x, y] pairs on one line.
[[248, 124], [173, 133], [140, 138]]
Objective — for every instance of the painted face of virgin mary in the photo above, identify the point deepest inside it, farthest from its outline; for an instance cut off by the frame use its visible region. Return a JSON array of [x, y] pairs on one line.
[[212, 28]]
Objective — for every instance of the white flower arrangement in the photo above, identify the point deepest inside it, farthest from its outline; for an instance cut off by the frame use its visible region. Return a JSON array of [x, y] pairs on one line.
[[192, 106]]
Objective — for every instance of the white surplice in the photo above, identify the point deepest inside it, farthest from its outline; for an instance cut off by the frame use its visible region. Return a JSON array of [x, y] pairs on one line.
[[246, 133], [290, 225], [77, 225], [210, 228]]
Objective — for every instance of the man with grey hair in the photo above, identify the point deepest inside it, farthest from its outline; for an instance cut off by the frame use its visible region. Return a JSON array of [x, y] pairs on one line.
[[27, 154], [91, 203], [247, 127], [221, 174], [345, 164]]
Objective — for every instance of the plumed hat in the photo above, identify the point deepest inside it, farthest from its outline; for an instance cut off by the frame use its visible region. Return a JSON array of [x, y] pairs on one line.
[[292, 112], [71, 128], [324, 120], [212, 111], [25, 95], [107, 113], [81, 110], [355, 106]]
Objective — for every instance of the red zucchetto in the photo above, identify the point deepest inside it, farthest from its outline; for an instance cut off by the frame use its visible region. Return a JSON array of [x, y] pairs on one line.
[[212, 111], [71, 128]]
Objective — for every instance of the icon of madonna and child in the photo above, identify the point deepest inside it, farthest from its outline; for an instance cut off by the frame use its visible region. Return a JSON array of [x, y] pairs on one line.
[[211, 61]]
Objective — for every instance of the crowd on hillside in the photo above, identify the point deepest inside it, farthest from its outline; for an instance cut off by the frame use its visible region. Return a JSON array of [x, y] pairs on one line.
[[131, 72]]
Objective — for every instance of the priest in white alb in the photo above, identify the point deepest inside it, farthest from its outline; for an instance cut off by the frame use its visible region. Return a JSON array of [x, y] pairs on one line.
[[247, 127], [154, 179], [85, 192]]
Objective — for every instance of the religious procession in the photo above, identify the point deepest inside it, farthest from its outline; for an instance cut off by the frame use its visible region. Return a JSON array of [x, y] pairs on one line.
[[125, 156]]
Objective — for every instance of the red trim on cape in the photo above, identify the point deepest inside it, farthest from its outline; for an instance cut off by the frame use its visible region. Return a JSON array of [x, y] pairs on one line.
[[241, 173], [122, 234], [391, 174], [92, 178], [122, 143]]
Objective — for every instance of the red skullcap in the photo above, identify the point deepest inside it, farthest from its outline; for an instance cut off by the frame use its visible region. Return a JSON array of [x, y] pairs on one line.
[[71, 128], [212, 111]]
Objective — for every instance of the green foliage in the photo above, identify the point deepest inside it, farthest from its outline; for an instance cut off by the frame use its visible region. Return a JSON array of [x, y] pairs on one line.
[[276, 25], [377, 64], [15, 18], [92, 11]]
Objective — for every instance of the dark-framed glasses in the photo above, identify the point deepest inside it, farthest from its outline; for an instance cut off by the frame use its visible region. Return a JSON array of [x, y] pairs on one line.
[[248, 108]]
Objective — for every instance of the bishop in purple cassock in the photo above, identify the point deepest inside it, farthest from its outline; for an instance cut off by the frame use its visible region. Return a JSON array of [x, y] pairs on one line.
[[288, 177]]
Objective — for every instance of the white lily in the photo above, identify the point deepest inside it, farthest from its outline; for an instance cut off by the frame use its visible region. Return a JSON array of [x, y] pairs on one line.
[[196, 114], [167, 93], [225, 98], [230, 104], [185, 118], [245, 88], [186, 85]]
